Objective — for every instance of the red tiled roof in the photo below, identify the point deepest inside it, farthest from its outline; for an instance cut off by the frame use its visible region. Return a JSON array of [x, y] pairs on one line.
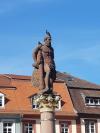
[[18, 89], [18, 101]]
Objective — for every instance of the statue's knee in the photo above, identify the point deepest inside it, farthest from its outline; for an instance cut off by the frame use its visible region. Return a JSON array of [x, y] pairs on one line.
[[48, 73], [48, 70]]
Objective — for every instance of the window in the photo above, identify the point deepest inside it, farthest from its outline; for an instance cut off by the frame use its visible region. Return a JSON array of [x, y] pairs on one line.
[[2, 100], [94, 101], [34, 105], [65, 127], [90, 126], [28, 127], [8, 127]]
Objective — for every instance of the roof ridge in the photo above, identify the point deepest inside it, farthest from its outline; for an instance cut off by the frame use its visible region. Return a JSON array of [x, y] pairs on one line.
[[22, 77], [76, 81]]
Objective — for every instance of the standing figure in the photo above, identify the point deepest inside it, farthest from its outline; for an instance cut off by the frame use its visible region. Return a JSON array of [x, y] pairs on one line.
[[43, 57]]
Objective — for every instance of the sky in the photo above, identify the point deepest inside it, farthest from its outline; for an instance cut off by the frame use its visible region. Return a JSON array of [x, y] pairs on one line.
[[73, 24]]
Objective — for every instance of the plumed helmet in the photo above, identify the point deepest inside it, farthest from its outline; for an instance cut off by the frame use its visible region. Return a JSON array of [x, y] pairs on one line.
[[48, 35]]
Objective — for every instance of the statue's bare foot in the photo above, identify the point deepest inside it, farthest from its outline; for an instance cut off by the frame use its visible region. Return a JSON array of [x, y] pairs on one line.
[[46, 91]]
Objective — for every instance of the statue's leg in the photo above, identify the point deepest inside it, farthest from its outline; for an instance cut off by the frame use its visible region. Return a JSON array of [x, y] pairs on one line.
[[51, 84], [47, 77], [47, 80], [41, 77]]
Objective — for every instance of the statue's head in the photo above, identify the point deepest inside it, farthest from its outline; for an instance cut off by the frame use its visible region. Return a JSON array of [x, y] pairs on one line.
[[47, 39]]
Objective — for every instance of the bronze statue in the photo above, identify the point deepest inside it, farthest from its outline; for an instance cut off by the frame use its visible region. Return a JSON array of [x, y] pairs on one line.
[[43, 57]]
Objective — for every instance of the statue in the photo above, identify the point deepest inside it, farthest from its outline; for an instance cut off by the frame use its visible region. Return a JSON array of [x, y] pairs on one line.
[[43, 57]]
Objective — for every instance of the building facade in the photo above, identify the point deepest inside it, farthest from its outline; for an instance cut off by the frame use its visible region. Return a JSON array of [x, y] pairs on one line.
[[78, 111]]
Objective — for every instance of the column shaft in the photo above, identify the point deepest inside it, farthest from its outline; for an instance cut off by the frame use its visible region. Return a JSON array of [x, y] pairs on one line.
[[47, 122]]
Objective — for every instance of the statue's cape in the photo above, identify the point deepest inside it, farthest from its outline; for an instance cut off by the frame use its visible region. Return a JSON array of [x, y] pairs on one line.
[[35, 78]]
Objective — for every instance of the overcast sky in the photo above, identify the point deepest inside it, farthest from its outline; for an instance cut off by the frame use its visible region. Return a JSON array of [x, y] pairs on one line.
[[75, 29]]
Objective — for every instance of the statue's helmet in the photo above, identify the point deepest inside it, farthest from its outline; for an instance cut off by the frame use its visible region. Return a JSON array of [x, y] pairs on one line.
[[48, 35]]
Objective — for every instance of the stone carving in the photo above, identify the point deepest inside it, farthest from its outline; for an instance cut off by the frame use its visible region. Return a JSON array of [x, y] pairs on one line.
[[47, 101], [44, 65]]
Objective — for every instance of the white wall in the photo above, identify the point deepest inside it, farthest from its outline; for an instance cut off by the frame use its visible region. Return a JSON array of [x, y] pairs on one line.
[[37, 126], [82, 126], [98, 125], [57, 128], [73, 126]]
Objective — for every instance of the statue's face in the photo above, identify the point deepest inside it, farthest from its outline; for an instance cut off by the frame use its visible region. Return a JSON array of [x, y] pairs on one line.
[[48, 41]]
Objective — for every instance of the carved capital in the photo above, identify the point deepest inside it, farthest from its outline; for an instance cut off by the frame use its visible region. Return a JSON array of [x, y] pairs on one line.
[[47, 102]]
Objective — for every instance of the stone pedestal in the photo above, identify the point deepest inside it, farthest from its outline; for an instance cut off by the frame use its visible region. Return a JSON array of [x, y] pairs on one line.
[[47, 104]]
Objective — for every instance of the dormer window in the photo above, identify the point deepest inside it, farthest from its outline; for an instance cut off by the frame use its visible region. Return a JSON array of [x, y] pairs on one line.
[[2, 100], [34, 105], [92, 101]]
